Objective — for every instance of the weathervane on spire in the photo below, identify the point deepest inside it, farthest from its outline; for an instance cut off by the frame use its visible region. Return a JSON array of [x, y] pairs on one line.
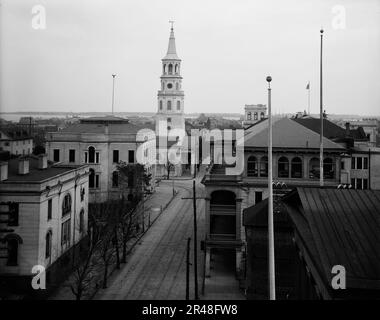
[[172, 23]]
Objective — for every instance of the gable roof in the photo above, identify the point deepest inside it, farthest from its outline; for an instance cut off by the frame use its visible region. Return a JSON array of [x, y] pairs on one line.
[[330, 129], [286, 134], [341, 227]]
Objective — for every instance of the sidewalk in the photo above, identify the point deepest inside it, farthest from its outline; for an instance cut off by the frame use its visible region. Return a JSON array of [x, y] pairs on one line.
[[154, 205]]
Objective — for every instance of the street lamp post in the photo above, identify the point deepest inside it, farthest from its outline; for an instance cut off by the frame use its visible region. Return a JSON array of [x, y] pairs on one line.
[[113, 90]]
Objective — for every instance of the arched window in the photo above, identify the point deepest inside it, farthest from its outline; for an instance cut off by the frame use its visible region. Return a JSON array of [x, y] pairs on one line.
[[169, 105], [178, 105], [264, 166], [170, 68], [252, 167], [328, 168], [177, 86], [91, 179], [160, 104], [249, 116], [314, 168], [66, 204], [296, 168], [48, 244], [81, 220], [115, 179], [91, 154], [255, 116], [283, 167], [176, 68], [164, 68], [262, 115]]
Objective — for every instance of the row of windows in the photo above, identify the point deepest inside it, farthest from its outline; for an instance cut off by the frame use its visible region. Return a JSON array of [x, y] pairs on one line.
[[169, 105], [255, 115], [293, 169], [169, 68], [359, 163], [361, 184], [92, 156]]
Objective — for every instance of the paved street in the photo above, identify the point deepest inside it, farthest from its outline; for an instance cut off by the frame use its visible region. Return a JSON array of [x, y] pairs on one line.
[[156, 269]]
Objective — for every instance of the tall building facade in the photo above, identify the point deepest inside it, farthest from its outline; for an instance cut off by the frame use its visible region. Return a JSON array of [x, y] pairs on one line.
[[170, 97]]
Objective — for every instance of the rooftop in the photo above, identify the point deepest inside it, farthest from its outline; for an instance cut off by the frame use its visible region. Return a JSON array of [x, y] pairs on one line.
[[36, 175], [340, 227], [286, 134]]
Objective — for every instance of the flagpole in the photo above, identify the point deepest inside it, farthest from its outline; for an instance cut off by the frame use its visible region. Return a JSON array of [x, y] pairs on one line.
[[272, 284], [113, 90], [308, 99], [321, 117]]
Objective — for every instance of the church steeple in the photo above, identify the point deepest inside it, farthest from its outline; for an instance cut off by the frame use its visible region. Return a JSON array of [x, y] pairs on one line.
[[171, 96], [172, 52]]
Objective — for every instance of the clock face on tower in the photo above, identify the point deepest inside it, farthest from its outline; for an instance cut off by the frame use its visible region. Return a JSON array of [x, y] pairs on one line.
[[170, 86]]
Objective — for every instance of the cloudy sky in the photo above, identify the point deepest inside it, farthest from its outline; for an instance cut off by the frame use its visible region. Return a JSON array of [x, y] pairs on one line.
[[227, 48]]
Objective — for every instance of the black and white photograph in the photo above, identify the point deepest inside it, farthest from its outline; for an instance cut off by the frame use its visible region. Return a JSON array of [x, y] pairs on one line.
[[189, 156]]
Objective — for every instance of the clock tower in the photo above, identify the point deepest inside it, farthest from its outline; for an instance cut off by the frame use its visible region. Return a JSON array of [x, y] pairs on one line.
[[170, 104]]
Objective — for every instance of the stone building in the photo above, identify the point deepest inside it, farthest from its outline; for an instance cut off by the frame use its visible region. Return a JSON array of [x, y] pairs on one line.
[[43, 217], [295, 163], [101, 143], [254, 113]]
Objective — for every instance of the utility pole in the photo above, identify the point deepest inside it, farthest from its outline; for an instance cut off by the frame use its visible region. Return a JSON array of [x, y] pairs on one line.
[[194, 197], [113, 90], [271, 263], [188, 269], [321, 117]]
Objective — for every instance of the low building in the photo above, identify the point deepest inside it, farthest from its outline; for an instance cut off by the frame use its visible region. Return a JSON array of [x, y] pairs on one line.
[[101, 143], [43, 218], [15, 140]]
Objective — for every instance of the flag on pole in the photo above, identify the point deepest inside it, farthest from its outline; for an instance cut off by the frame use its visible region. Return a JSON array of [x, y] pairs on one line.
[[308, 86]]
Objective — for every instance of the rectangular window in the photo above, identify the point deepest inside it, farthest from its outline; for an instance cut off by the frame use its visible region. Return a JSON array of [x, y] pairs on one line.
[[365, 165], [65, 233], [365, 184], [359, 163], [353, 183], [50, 203], [13, 214], [169, 119], [258, 196], [97, 181], [359, 184], [97, 157], [353, 163], [342, 165], [131, 156], [115, 156], [56, 155], [71, 155]]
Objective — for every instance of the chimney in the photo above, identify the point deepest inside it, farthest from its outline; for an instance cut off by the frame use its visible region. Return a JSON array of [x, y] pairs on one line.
[[23, 166], [3, 171], [42, 161]]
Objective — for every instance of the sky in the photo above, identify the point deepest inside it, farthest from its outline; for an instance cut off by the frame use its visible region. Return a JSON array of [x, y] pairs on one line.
[[227, 47]]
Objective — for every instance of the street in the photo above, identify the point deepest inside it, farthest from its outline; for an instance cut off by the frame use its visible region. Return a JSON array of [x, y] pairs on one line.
[[156, 268]]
